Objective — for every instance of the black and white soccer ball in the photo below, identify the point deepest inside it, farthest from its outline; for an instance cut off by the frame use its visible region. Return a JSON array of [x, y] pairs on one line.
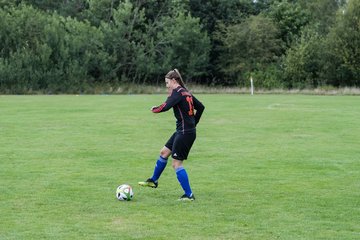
[[124, 192]]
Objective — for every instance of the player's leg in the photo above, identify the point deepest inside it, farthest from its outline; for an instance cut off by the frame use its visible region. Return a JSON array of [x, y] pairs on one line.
[[160, 165], [183, 179], [181, 149]]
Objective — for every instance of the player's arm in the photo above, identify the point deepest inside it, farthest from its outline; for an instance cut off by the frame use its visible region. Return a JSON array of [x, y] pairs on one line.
[[171, 101], [199, 107]]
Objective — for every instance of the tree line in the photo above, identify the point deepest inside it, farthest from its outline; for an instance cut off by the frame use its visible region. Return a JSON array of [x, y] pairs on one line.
[[73, 45]]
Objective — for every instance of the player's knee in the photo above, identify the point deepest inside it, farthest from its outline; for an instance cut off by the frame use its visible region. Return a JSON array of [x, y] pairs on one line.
[[176, 164], [165, 153]]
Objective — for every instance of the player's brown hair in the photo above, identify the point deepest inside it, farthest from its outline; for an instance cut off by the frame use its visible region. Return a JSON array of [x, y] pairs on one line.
[[175, 74]]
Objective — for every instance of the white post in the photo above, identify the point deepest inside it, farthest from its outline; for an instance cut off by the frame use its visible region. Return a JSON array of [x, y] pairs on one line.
[[252, 86]]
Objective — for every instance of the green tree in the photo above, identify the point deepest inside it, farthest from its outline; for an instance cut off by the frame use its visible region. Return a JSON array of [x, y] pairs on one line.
[[66, 8], [251, 46], [303, 64], [145, 49], [125, 41], [344, 47], [322, 13], [100, 10], [21, 51], [290, 18], [213, 16], [8, 3], [47, 51], [183, 45]]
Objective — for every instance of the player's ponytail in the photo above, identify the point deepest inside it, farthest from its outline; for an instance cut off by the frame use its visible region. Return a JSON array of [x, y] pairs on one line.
[[177, 76]]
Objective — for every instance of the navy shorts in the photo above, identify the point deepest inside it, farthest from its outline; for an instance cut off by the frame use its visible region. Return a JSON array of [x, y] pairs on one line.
[[180, 145]]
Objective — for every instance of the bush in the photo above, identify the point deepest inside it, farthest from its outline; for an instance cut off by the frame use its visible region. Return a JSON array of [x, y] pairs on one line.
[[48, 52]]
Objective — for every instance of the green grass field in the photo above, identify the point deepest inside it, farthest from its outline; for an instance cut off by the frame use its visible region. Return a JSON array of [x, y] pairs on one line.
[[262, 167]]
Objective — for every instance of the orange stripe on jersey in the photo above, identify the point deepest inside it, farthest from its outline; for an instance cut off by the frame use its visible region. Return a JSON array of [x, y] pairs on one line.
[[159, 108]]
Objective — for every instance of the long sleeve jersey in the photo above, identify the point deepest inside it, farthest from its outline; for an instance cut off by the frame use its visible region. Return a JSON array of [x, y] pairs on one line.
[[184, 105]]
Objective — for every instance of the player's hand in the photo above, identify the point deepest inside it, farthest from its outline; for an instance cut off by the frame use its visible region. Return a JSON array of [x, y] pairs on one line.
[[153, 107]]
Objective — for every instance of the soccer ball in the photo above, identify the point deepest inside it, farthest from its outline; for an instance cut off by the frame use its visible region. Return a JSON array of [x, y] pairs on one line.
[[124, 192]]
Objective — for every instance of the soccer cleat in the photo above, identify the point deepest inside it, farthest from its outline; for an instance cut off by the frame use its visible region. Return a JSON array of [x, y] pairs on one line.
[[149, 183], [185, 198]]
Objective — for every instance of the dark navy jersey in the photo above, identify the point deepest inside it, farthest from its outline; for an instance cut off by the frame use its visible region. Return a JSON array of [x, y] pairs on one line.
[[187, 109]]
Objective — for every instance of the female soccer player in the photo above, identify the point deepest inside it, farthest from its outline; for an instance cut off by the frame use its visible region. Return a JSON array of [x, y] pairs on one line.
[[178, 146]]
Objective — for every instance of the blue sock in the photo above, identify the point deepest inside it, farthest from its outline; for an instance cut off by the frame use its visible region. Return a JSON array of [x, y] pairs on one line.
[[183, 180], [159, 168]]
